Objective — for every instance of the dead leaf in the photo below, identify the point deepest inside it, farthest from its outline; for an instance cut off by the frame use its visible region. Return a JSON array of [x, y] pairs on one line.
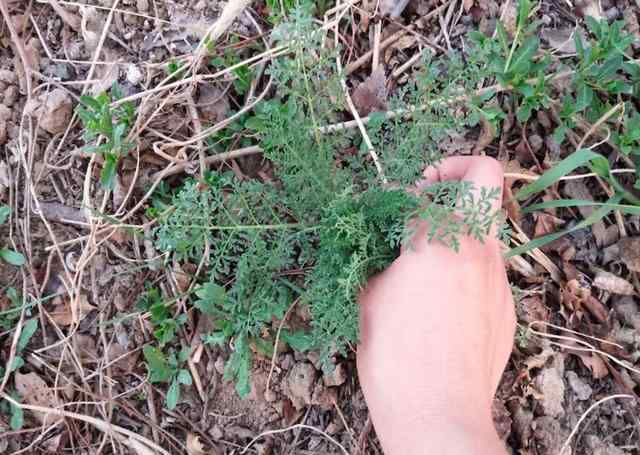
[[487, 135], [596, 308], [90, 27], [594, 363], [195, 447], [612, 283], [533, 309], [63, 315], [560, 39], [371, 95], [35, 392], [108, 73], [629, 248], [212, 103], [574, 293]]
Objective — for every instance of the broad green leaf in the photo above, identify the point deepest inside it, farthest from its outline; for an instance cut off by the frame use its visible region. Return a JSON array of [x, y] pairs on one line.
[[4, 213], [575, 160], [584, 96], [109, 169], [524, 8], [157, 365], [173, 395], [541, 241], [503, 38], [523, 57], [298, 340], [28, 329], [609, 68], [184, 377], [211, 298], [12, 257], [91, 102], [184, 354], [215, 338], [17, 417], [18, 362]]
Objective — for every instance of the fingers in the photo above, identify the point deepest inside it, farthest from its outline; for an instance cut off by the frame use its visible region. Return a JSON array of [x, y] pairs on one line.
[[481, 171]]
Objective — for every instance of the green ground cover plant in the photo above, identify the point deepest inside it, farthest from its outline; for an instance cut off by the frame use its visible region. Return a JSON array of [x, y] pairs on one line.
[[330, 214]]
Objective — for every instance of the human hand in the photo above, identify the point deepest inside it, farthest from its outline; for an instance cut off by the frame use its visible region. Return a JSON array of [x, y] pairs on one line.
[[436, 333]]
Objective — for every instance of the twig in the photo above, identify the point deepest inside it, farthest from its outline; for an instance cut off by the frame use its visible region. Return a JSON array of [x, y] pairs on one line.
[[220, 157], [294, 427], [17, 42], [356, 115], [275, 345], [376, 46], [565, 446], [106, 427], [354, 66]]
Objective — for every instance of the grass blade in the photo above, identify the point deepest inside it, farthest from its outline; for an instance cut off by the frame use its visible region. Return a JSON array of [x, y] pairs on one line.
[[575, 160]]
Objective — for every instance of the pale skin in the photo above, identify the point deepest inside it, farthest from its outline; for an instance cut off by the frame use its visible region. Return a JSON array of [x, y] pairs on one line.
[[436, 333]]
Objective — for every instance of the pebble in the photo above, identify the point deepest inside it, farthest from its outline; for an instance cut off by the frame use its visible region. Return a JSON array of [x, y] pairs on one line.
[[11, 95], [536, 142], [52, 109], [300, 384], [337, 377], [216, 432], [142, 5], [582, 390], [134, 75], [8, 77]]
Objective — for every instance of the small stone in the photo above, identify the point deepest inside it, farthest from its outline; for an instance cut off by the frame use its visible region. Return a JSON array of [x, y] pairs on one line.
[[270, 396], [612, 13], [134, 75], [337, 377], [551, 385], [8, 77], [216, 432], [300, 384], [582, 390], [332, 428], [219, 365], [142, 5], [536, 142], [5, 113], [53, 110], [11, 95]]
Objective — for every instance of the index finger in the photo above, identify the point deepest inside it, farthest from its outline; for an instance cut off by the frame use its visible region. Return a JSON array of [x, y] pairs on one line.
[[481, 171]]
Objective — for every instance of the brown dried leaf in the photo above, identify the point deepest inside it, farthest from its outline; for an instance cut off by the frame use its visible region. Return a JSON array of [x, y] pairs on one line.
[[594, 363], [596, 308], [487, 135], [560, 39], [629, 248], [612, 283], [213, 103], [371, 95], [35, 392], [194, 446], [533, 309], [63, 315]]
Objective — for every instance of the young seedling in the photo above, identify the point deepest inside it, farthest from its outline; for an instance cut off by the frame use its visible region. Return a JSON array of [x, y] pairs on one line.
[[106, 129]]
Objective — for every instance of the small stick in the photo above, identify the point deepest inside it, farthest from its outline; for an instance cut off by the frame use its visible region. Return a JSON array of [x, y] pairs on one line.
[[275, 345], [376, 47]]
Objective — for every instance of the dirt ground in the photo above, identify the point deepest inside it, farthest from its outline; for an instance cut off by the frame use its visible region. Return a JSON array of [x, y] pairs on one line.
[[578, 296]]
